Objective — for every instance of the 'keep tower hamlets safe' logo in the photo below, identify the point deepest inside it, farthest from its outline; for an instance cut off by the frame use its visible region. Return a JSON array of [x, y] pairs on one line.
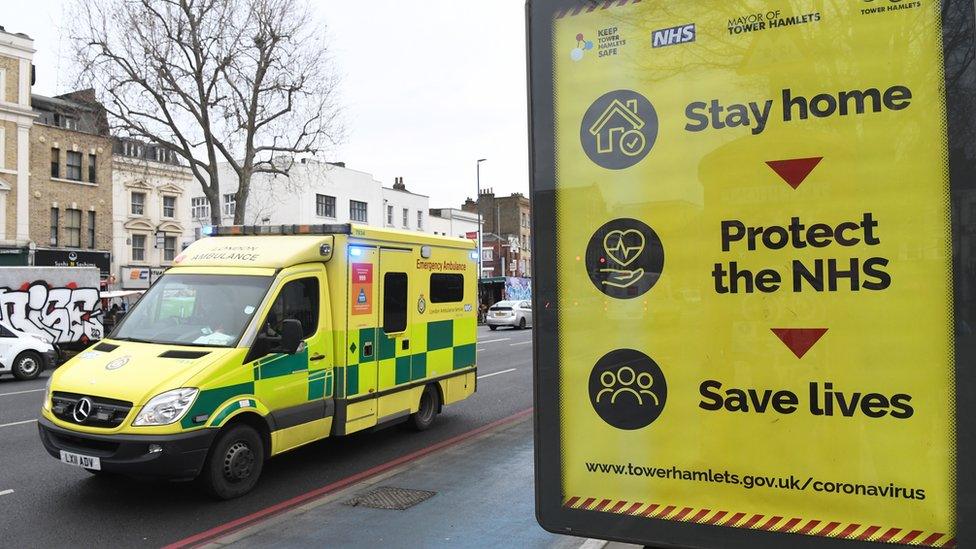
[[619, 129], [582, 46]]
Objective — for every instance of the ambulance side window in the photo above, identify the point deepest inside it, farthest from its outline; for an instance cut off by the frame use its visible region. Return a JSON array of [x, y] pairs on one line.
[[446, 288], [394, 302], [299, 300]]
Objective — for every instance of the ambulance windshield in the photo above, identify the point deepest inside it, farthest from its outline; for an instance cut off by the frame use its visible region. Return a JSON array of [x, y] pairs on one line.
[[195, 309]]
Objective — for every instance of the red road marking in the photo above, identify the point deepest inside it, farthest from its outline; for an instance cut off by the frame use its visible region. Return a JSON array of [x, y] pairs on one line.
[[279, 508]]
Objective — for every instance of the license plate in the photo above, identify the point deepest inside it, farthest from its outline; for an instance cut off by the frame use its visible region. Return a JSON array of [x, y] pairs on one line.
[[79, 460]]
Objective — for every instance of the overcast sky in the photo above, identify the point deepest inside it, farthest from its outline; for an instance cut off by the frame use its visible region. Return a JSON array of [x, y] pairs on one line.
[[428, 88]]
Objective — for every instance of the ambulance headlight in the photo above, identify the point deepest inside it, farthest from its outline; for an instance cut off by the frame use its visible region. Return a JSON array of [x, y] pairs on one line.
[[166, 408], [47, 393]]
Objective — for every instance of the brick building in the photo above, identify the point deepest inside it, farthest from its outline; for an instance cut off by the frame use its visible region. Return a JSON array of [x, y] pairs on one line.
[[507, 224], [70, 206]]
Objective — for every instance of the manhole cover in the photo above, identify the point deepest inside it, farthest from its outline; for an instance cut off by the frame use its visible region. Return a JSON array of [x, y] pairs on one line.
[[390, 497]]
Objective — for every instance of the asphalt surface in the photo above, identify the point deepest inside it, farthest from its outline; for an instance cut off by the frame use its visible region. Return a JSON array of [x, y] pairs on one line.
[[48, 504]]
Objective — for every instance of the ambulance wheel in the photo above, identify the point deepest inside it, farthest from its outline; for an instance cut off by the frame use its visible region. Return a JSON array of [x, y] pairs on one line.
[[424, 418], [27, 365], [234, 463], [492, 328]]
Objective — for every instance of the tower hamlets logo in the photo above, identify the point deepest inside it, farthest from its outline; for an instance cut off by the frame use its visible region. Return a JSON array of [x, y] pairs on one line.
[[619, 129], [582, 46]]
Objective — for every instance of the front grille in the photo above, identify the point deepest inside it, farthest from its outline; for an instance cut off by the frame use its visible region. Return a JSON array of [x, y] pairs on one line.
[[84, 445], [105, 412]]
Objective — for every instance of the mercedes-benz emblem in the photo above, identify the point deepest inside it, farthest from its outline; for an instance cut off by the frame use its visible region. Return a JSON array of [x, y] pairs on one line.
[[82, 409]]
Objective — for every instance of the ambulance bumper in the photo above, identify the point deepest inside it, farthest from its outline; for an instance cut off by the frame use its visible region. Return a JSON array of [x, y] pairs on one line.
[[179, 457]]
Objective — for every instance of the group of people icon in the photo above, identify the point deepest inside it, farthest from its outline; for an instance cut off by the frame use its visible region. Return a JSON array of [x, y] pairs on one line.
[[627, 381]]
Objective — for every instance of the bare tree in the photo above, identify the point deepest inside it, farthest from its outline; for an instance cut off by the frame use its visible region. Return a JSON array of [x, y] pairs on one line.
[[241, 82]]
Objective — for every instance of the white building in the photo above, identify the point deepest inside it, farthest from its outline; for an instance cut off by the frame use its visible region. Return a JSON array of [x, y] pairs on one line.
[[454, 222], [316, 193], [403, 209], [151, 217]]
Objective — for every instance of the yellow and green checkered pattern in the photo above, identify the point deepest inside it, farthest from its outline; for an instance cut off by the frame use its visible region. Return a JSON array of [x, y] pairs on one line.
[[435, 348]]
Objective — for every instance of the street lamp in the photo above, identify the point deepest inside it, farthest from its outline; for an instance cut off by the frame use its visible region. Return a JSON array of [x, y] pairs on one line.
[[480, 243]]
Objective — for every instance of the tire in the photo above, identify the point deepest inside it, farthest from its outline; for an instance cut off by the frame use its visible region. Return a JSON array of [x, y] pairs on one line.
[[424, 418], [27, 365], [234, 463], [521, 325], [492, 328]]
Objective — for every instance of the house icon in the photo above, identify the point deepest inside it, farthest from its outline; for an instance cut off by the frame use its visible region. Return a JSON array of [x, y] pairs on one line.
[[618, 129]]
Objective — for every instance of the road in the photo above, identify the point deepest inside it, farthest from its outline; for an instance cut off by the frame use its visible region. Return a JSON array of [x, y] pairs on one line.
[[49, 504]]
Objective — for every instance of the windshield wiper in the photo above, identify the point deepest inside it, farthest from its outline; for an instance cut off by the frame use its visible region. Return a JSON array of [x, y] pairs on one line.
[[135, 339]]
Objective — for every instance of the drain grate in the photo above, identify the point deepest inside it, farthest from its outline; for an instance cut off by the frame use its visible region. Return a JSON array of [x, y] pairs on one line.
[[390, 497]]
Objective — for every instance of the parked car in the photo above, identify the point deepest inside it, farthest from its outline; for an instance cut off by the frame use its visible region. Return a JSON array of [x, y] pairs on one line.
[[23, 354], [516, 314]]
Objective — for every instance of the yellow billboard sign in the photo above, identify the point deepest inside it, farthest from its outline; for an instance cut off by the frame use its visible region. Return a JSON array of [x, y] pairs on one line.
[[750, 304]]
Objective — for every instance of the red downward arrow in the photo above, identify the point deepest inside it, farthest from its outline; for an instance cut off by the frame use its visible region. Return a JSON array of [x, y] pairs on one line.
[[799, 340], [794, 171]]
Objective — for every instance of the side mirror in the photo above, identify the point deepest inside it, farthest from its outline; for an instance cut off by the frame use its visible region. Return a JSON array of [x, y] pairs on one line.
[[291, 336]]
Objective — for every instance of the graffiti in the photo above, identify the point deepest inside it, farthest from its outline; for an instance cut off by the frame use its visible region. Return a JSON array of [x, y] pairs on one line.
[[60, 315], [518, 289]]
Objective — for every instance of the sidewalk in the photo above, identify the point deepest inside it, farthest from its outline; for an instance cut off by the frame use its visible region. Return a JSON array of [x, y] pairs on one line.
[[484, 497]]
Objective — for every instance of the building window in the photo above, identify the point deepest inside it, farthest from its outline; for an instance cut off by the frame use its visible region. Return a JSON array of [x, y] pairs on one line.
[[91, 229], [55, 162], [72, 228], [169, 206], [74, 166], [92, 169], [358, 211], [420, 220], [389, 215], [65, 121], [3, 142], [138, 204], [54, 226], [525, 219], [169, 248], [486, 254], [230, 204], [138, 247], [325, 206], [406, 218], [200, 208]]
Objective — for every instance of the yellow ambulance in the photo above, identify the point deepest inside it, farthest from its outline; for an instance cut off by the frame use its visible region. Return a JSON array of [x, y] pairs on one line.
[[261, 339]]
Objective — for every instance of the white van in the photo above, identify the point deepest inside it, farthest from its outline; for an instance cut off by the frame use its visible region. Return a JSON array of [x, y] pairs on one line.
[[24, 355]]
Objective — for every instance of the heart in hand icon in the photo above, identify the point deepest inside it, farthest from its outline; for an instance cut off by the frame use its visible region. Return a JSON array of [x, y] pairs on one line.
[[624, 247]]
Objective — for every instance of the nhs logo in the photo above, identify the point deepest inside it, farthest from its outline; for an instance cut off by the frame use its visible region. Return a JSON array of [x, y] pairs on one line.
[[681, 34]]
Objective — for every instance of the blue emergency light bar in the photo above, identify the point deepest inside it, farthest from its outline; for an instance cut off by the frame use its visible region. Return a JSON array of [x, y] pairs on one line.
[[262, 230]]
